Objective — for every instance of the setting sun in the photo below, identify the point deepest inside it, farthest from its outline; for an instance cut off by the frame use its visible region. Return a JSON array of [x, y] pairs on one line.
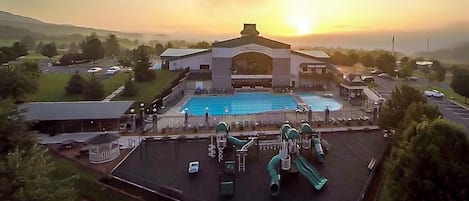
[[301, 17], [302, 25]]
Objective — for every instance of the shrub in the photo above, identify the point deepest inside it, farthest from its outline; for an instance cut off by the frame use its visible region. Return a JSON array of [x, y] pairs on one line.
[[76, 84], [182, 138]]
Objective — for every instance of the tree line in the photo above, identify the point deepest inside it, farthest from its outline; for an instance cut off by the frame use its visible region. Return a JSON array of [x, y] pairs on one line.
[[429, 158], [25, 167]]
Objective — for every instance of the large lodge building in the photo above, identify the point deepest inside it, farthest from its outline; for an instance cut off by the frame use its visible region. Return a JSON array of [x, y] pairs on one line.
[[250, 61]]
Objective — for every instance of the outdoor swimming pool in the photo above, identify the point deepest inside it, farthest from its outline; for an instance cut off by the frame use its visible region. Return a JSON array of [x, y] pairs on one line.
[[253, 102]]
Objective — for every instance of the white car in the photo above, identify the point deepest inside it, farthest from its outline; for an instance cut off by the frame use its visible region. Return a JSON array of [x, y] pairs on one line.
[[438, 94], [428, 93], [94, 70], [113, 70], [193, 167], [384, 75], [434, 93]]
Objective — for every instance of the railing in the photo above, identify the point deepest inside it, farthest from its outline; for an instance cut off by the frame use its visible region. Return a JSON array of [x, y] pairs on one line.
[[267, 119]]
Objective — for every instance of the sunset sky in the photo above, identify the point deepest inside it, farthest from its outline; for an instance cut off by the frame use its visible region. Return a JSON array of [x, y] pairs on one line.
[[224, 17]]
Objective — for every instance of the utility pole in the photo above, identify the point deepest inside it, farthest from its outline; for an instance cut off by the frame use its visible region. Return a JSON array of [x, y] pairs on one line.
[[393, 45], [428, 45]]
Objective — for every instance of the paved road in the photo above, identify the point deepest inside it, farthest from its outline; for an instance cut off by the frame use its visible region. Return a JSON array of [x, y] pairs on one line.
[[452, 111]]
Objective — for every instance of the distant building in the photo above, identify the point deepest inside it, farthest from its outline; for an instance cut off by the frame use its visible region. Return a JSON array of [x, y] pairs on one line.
[[250, 60]]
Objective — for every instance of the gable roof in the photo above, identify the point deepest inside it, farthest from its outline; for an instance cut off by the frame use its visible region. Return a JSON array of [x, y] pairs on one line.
[[179, 52], [53, 111], [102, 139], [251, 39], [312, 53]]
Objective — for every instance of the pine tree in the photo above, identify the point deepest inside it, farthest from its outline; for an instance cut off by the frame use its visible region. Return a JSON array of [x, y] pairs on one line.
[[129, 89], [94, 89], [75, 84]]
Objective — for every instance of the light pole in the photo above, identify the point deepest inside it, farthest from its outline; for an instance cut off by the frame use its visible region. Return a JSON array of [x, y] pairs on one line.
[[186, 117], [155, 120], [142, 113], [206, 117], [132, 115]]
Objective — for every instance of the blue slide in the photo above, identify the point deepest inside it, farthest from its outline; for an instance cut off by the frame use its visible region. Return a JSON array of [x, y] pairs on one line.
[[274, 182], [310, 173], [236, 141]]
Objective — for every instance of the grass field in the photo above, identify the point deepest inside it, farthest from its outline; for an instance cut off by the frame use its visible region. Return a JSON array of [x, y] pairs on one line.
[[52, 87], [148, 90], [86, 182]]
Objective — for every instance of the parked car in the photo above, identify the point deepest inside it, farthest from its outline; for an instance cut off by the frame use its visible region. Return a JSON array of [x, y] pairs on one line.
[[413, 79], [113, 70], [434, 93], [126, 69], [94, 70], [438, 94], [384, 75], [193, 167], [428, 93], [368, 78]]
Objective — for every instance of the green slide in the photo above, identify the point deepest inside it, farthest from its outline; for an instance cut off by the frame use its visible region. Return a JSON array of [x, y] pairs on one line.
[[236, 141], [274, 182], [310, 173]]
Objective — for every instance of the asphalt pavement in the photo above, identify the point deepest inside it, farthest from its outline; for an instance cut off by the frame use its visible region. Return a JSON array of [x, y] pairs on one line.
[[451, 111]]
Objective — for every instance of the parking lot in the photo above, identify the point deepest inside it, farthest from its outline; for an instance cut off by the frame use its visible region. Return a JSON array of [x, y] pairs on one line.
[[81, 68], [451, 111]]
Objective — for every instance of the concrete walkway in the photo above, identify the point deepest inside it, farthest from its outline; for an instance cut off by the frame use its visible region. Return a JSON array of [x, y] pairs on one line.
[[114, 94]]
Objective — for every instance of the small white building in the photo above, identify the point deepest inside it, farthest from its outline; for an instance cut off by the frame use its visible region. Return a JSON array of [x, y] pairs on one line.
[[103, 148]]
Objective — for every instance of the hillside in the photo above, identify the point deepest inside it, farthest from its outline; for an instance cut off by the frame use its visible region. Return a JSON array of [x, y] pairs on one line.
[[8, 32], [9, 17], [50, 29], [455, 55]]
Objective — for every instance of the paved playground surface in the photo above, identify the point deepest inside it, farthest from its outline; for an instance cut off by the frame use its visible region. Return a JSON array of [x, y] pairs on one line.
[[162, 166]]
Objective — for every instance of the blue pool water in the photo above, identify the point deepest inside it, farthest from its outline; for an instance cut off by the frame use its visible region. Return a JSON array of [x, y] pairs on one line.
[[319, 103], [253, 102]]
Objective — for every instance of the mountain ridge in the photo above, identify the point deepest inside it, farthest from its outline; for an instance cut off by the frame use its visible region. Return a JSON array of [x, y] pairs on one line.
[[51, 29]]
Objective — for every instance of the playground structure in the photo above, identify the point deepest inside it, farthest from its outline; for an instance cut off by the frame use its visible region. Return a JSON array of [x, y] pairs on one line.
[[292, 141], [289, 143], [222, 138]]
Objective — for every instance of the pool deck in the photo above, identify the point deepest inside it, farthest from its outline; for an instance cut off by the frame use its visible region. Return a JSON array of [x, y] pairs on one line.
[[162, 166], [174, 119]]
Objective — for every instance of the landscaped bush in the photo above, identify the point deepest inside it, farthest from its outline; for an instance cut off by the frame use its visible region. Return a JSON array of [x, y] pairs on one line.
[[182, 138]]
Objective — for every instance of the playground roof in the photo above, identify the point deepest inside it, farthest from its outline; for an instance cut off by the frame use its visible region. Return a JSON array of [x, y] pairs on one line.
[[306, 128], [222, 126], [285, 128], [293, 134]]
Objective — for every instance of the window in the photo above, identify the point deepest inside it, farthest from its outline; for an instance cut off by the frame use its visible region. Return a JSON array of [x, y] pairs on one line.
[[204, 66], [305, 69]]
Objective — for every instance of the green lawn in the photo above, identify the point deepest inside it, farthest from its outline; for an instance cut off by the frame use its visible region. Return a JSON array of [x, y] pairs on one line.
[[86, 182], [117, 80], [52, 87], [148, 90]]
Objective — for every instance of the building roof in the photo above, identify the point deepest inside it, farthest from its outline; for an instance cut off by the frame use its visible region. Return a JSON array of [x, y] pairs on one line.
[[102, 139], [251, 39], [52, 111], [179, 52], [313, 53]]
